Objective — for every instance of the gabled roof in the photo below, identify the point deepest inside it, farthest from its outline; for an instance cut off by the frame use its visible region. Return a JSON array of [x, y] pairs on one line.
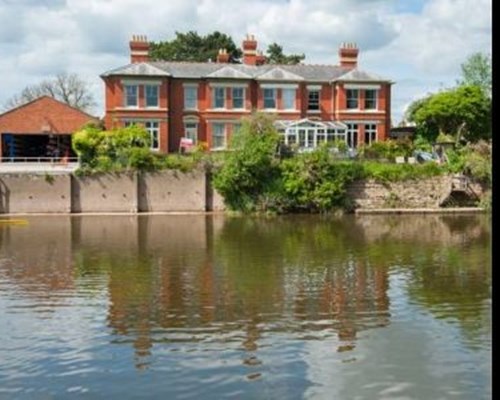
[[229, 72], [137, 69], [44, 113], [278, 74], [361, 76]]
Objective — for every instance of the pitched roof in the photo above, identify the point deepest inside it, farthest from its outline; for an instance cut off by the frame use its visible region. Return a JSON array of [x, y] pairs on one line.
[[137, 69], [229, 72], [197, 70], [278, 74], [361, 76], [44, 113]]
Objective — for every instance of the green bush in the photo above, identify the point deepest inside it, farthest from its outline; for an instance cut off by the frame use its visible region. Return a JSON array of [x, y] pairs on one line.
[[250, 168], [314, 182], [389, 149], [384, 172], [473, 160]]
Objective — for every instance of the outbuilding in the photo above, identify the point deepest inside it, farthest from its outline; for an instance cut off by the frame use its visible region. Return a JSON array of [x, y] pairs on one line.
[[40, 130]]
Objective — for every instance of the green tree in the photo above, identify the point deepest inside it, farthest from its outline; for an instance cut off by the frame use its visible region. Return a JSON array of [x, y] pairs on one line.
[[191, 46], [114, 150], [476, 70], [250, 168], [463, 112], [275, 55]]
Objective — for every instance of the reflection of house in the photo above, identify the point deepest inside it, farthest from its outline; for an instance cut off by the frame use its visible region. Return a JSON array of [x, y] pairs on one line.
[[40, 128], [206, 101]]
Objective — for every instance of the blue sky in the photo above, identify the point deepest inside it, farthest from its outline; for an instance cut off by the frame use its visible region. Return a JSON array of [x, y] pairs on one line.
[[418, 44]]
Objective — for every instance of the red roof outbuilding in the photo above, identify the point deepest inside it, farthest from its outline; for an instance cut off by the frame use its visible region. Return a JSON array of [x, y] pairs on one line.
[[44, 115]]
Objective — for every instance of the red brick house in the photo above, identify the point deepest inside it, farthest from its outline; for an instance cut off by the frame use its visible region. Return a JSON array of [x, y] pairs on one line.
[[39, 129], [206, 101]]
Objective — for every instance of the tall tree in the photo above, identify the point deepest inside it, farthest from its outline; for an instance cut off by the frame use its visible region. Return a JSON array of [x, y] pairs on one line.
[[275, 55], [191, 46], [68, 88], [463, 112], [476, 70]]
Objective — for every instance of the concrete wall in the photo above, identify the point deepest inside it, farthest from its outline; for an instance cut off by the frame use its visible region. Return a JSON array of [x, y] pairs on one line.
[[174, 191], [35, 193], [169, 191], [104, 193]]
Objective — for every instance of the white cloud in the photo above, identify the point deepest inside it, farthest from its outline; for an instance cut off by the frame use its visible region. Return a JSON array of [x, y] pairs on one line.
[[420, 46]]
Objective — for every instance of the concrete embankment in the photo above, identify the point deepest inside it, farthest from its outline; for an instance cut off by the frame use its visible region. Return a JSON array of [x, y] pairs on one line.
[[174, 191]]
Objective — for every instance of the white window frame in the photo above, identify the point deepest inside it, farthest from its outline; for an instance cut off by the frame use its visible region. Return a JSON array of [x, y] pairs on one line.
[[272, 91], [217, 90], [375, 99], [242, 97], [222, 135], [128, 95], [190, 97], [191, 130], [292, 94], [352, 135], [314, 101], [153, 128], [148, 97], [352, 95], [370, 133]]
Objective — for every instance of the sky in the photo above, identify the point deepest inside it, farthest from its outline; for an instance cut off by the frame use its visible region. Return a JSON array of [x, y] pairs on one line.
[[418, 44]]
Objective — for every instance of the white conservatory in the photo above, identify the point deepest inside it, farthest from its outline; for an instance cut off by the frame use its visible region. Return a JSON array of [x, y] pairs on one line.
[[308, 134]]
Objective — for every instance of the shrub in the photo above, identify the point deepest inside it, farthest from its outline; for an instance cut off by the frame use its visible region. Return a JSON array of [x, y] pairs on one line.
[[384, 172], [250, 167], [315, 182], [114, 150], [389, 149]]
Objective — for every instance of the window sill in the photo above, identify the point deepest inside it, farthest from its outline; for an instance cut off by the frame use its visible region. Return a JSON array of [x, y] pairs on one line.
[[139, 109], [228, 110], [358, 111]]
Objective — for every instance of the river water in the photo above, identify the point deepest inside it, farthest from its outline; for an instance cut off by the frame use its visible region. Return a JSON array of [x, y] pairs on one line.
[[214, 307]]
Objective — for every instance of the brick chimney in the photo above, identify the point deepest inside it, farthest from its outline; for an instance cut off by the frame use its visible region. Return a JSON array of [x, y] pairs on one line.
[[348, 55], [139, 49], [223, 56], [250, 54]]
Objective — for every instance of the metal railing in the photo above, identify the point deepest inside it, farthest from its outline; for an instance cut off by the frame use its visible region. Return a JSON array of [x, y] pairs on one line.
[[40, 160]]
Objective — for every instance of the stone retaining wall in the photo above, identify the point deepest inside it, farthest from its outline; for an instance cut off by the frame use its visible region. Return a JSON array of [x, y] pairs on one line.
[[422, 193]]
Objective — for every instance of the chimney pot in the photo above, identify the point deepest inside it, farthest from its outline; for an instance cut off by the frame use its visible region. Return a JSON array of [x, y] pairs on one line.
[[139, 49], [348, 55]]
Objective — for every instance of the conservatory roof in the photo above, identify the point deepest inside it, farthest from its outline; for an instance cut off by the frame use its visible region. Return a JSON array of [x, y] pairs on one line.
[[285, 124]]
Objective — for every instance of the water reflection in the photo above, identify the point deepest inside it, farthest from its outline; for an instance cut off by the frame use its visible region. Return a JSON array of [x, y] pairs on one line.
[[254, 291]]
